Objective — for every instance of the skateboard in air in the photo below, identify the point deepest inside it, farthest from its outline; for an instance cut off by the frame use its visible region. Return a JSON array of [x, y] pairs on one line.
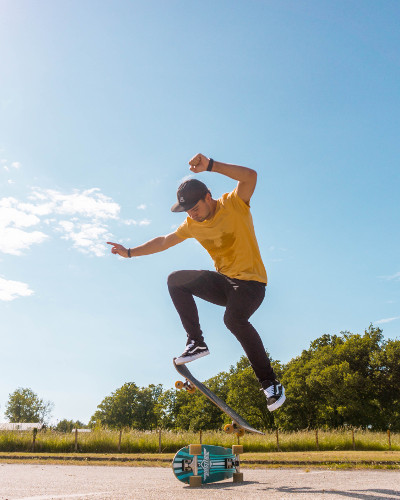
[[198, 464], [238, 426]]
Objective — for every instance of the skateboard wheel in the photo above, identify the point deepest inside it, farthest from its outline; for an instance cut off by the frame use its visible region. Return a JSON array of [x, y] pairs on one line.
[[228, 428], [237, 449], [195, 449], [238, 477], [195, 481], [191, 389], [240, 432], [179, 384]]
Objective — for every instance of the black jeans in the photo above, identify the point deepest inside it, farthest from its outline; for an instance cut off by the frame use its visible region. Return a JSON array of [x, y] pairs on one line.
[[241, 299]]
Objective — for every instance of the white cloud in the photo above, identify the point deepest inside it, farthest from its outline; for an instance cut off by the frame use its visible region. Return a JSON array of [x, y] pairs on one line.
[[393, 277], [132, 222], [10, 213], [10, 290], [40, 209], [386, 320], [87, 237], [88, 203], [82, 217], [7, 166], [142, 207], [13, 239]]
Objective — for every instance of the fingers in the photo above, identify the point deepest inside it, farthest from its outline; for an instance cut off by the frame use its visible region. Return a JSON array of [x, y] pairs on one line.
[[196, 160], [116, 249]]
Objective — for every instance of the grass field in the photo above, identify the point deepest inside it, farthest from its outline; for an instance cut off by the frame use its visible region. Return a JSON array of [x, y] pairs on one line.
[[101, 441]]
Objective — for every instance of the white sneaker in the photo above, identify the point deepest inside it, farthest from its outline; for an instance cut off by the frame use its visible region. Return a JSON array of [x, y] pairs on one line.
[[193, 351], [275, 395]]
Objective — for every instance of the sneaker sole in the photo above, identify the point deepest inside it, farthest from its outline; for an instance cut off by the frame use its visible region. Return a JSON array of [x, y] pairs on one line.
[[188, 359], [277, 403]]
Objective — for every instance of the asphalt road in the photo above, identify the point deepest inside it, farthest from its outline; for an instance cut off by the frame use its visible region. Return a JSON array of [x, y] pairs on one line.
[[48, 482]]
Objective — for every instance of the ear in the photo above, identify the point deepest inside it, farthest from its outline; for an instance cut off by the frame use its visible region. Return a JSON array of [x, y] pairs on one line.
[[208, 197]]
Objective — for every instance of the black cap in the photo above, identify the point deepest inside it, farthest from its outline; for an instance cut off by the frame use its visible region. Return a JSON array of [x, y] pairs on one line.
[[189, 194]]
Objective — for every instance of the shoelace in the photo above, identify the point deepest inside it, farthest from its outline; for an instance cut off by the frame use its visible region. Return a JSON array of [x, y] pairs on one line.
[[189, 346], [270, 391]]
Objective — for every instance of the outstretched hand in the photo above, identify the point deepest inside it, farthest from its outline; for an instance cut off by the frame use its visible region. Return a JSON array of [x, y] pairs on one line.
[[118, 249], [199, 163]]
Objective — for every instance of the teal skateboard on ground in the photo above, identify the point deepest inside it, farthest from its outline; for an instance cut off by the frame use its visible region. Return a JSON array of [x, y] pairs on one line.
[[201, 464]]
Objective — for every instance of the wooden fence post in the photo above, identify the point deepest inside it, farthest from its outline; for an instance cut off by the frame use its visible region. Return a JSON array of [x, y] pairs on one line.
[[76, 439], [34, 433], [159, 440], [354, 441], [316, 439], [390, 443], [277, 439], [201, 437], [119, 441]]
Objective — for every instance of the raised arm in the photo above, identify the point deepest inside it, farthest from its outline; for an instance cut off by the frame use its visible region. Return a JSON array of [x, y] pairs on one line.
[[153, 246], [246, 177]]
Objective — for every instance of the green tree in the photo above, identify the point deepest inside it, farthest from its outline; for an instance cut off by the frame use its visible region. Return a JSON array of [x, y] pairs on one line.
[[24, 406], [196, 411], [146, 415], [68, 425], [167, 409], [386, 385], [334, 383], [246, 397], [129, 406]]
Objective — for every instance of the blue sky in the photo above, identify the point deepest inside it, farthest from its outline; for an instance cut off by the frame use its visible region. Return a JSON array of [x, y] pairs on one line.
[[102, 104]]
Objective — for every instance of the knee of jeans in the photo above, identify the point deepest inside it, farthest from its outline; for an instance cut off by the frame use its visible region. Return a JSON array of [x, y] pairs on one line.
[[232, 321], [172, 279], [177, 278]]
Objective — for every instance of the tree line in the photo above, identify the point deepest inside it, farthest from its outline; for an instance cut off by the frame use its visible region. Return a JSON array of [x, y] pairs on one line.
[[340, 380]]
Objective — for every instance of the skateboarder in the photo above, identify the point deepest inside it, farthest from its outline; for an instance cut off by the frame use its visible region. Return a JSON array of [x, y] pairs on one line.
[[224, 227]]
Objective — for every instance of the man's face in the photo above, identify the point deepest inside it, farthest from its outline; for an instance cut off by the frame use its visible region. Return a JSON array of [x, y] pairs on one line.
[[201, 211]]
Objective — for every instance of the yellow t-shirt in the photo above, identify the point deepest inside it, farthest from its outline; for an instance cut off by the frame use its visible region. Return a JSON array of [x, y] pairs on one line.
[[229, 238]]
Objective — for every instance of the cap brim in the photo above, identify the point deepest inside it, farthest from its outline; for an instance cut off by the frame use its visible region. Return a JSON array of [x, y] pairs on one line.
[[177, 208], [180, 208]]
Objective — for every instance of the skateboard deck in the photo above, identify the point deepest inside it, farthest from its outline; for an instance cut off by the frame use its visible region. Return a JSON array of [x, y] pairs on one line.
[[213, 463], [239, 424]]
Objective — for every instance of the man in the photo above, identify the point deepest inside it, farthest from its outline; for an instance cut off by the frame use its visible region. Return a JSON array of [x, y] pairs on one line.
[[224, 227]]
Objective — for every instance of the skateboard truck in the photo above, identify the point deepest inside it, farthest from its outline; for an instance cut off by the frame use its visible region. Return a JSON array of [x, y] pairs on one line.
[[195, 450], [237, 449], [185, 385], [234, 428]]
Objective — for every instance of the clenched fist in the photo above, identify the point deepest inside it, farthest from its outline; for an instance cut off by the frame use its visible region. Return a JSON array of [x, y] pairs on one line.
[[199, 163]]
